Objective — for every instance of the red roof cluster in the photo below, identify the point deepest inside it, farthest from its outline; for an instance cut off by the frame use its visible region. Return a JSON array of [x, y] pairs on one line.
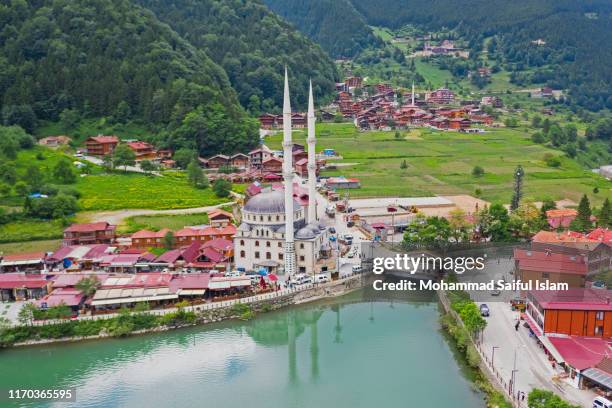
[[90, 227], [574, 299], [546, 261]]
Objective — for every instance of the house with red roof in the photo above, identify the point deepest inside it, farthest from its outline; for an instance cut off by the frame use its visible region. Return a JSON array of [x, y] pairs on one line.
[[142, 150], [220, 218], [22, 286], [597, 253], [91, 233], [101, 145], [561, 218], [73, 298], [272, 165], [29, 262], [149, 239], [602, 235], [572, 312], [531, 266]]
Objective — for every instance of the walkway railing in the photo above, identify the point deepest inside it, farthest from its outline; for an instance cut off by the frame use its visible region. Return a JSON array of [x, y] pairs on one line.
[[208, 306], [487, 367]]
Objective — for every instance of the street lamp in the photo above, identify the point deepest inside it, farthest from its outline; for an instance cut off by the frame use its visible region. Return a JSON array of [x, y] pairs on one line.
[[514, 371], [493, 354]]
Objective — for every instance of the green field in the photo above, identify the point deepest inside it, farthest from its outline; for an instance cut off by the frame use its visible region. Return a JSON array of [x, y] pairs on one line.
[[157, 222], [31, 230], [30, 246], [130, 190], [441, 163]]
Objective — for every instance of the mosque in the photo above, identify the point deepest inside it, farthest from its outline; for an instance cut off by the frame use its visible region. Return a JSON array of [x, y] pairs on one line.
[[277, 233]]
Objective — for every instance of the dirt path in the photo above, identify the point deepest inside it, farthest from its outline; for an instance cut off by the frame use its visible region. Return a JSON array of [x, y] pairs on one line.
[[116, 217]]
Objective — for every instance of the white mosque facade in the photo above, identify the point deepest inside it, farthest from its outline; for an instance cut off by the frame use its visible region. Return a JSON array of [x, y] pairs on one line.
[[262, 240]]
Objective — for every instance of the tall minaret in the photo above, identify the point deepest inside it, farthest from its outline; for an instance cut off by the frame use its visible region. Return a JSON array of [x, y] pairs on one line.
[[312, 162], [288, 178], [412, 93]]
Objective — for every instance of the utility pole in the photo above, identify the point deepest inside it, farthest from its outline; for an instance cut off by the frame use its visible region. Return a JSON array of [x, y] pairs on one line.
[[493, 354]]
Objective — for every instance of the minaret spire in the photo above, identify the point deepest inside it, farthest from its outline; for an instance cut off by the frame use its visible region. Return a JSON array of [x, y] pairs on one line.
[[413, 93], [288, 179], [312, 164]]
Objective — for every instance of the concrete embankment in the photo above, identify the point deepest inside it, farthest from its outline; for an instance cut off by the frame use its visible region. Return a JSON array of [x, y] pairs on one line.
[[205, 314]]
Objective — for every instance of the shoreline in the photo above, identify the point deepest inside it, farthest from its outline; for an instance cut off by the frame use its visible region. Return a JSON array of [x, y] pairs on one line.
[[313, 294]]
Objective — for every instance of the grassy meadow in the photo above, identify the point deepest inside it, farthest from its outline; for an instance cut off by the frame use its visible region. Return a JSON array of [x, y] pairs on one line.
[[102, 192], [442, 163], [157, 222]]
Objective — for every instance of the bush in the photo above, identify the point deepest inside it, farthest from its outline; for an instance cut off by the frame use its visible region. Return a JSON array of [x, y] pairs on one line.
[[551, 161], [222, 188], [478, 171]]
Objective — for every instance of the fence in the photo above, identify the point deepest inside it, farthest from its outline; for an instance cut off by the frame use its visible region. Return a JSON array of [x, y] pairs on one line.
[[213, 305], [486, 365]]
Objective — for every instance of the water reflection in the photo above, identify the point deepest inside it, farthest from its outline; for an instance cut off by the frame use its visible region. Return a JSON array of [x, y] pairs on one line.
[[312, 355]]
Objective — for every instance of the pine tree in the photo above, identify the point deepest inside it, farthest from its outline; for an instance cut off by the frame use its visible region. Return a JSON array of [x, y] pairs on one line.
[[605, 213], [583, 218], [519, 173]]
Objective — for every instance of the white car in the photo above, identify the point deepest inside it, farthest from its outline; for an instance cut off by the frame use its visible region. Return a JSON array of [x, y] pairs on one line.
[[301, 279], [321, 278], [350, 254], [357, 268], [232, 274]]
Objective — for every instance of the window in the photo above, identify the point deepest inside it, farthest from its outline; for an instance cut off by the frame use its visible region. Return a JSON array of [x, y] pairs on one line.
[[280, 244], [599, 315], [242, 242], [256, 254], [261, 218], [302, 258], [256, 243], [278, 218], [302, 245], [268, 244], [268, 255], [280, 256], [242, 254], [269, 218], [545, 275]]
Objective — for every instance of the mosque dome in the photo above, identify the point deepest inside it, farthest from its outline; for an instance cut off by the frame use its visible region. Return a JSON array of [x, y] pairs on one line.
[[269, 202], [305, 233]]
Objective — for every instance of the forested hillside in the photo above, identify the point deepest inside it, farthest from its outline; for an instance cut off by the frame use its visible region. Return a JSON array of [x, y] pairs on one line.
[[115, 62], [334, 24], [574, 53], [252, 44]]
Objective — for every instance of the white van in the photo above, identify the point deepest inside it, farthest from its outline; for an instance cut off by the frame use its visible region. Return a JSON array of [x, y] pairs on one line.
[[601, 402], [321, 278], [357, 268], [301, 279]]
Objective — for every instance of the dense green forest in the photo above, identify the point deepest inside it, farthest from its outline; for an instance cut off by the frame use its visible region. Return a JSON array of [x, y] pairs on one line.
[[252, 44], [115, 61], [334, 24], [575, 55]]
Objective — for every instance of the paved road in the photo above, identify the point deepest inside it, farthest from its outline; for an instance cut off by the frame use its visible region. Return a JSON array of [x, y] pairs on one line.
[[346, 264], [534, 369]]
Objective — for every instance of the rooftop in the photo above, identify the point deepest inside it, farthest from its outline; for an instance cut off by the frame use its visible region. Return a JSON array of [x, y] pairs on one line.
[[574, 299]]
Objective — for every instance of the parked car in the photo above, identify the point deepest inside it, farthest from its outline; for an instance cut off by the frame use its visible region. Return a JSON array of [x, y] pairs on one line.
[[350, 254], [321, 278], [301, 279], [232, 274], [484, 310], [332, 230], [601, 402], [357, 269], [496, 292]]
